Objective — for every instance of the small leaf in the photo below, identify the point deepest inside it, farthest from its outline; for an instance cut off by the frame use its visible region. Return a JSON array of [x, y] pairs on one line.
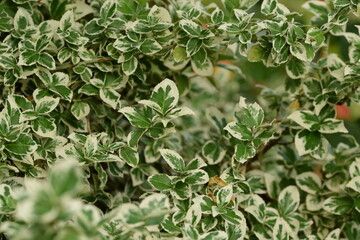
[[308, 182], [129, 67], [46, 105], [296, 68], [224, 195], [213, 153], [150, 47], [173, 159], [160, 181], [134, 137], [302, 51], [281, 229], [338, 205], [46, 60], [67, 20], [80, 109], [334, 234], [93, 28], [235, 217], [268, 7], [217, 16], [289, 200], [111, 97], [42, 43], [190, 27], [250, 115], [165, 95], [22, 19], [22, 146], [354, 184], [108, 9], [193, 46], [244, 151], [28, 57], [135, 117], [196, 177], [203, 69], [44, 127], [310, 142], [336, 66], [64, 54], [306, 119], [239, 131], [315, 36], [130, 156]]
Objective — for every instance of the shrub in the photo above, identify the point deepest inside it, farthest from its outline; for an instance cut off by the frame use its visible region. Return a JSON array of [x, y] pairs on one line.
[[121, 119]]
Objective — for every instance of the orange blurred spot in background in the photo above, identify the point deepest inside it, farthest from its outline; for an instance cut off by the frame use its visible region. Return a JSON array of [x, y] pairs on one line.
[[342, 112]]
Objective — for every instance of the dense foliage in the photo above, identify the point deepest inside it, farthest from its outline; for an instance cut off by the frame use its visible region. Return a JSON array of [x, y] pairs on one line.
[[118, 121]]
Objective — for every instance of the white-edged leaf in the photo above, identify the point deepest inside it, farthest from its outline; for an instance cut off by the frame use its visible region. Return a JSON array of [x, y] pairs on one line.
[[235, 217], [224, 195], [306, 119], [80, 109], [161, 13], [44, 127], [281, 230], [130, 156], [239, 131], [160, 181], [108, 9], [332, 126], [214, 235], [67, 20], [203, 69], [217, 16], [22, 19], [250, 115], [46, 105], [244, 151], [336, 66], [136, 118], [196, 177], [150, 47], [166, 95], [308, 182], [22, 146], [289, 200], [310, 142], [173, 159], [313, 202], [213, 153], [268, 7], [190, 27], [257, 209], [334, 234], [193, 215], [110, 97], [354, 184], [129, 67], [354, 168], [296, 68], [338, 205]]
